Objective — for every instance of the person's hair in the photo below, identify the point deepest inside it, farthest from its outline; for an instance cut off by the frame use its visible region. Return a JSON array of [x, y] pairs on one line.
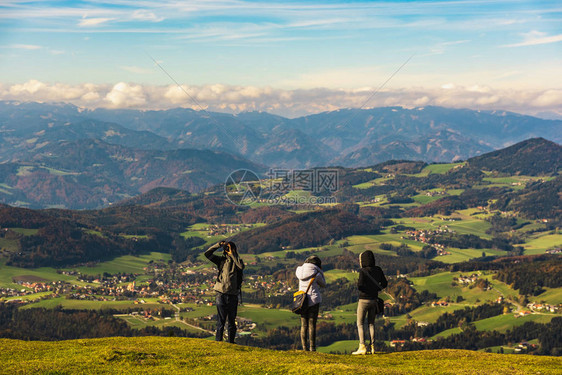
[[314, 260]]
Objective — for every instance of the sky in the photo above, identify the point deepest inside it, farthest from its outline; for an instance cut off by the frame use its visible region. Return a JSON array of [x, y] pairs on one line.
[[290, 58]]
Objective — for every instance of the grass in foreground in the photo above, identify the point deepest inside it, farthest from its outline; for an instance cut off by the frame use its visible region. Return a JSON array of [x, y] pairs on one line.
[[195, 356]]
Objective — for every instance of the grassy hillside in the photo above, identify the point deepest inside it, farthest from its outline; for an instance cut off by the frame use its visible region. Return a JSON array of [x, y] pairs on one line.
[[196, 356]]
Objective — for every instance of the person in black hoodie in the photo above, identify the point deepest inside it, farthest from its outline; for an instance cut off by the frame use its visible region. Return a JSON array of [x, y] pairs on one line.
[[368, 294]]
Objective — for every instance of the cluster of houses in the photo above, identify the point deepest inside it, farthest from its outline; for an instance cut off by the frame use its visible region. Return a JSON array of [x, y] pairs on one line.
[[466, 280], [101, 279], [170, 287], [424, 236], [274, 287], [29, 288], [225, 229], [244, 326], [435, 193], [524, 347], [400, 343], [533, 306]]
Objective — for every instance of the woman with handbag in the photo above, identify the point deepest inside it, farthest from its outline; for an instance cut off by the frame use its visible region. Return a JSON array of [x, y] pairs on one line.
[[311, 278], [371, 281]]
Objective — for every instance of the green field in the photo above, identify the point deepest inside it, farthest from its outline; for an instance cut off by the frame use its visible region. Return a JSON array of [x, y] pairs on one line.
[[125, 263], [538, 244], [363, 185], [447, 333], [10, 245], [25, 170], [168, 355], [440, 284], [92, 305], [424, 313], [345, 313], [514, 182], [58, 172], [501, 288], [394, 239], [470, 226], [552, 296], [333, 275], [344, 347], [438, 168], [264, 318], [7, 273], [200, 230], [423, 199], [138, 322], [29, 297], [502, 323], [25, 231], [198, 310], [267, 319]]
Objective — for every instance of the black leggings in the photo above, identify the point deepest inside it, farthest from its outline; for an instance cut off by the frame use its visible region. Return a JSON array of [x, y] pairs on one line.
[[308, 327]]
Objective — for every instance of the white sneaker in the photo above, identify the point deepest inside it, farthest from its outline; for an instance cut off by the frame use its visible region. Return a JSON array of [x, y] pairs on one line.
[[361, 351]]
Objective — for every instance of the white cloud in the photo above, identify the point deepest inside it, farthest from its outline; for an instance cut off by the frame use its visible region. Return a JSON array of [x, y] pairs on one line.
[[145, 15], [91, 96], [534, 38], [124, 95], [290, 103], [549, 98], [29, 47], [88, 22], [29, 87]]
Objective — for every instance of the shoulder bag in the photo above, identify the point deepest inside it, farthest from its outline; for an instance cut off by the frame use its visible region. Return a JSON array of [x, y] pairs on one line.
[[300, 302]]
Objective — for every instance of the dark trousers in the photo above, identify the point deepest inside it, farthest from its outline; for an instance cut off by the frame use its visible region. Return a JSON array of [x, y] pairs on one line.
[[308, 327], [227, 306]]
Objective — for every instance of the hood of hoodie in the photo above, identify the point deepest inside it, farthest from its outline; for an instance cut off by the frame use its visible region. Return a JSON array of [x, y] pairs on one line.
[[367, 259], [307, 270]]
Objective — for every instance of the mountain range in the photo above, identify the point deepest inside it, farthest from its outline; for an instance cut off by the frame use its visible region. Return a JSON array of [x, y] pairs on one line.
[[347, 137], [59, 155]]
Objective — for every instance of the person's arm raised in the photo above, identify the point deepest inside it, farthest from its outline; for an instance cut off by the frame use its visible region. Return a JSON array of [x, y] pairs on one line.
[[320, 279], [209, 253]]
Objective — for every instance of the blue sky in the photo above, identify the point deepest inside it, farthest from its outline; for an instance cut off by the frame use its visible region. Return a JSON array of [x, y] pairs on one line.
[[290, 57]]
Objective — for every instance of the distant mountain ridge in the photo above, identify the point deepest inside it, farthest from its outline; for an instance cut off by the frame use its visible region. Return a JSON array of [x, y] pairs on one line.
[[58, 155], [347, 137], [90, 173]]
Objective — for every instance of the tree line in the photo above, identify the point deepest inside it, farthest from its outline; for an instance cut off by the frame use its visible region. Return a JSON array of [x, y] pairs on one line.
[[532, 278], [58, 324]]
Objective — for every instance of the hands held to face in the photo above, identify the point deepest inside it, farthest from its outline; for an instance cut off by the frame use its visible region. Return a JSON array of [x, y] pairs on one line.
[[226, 247]]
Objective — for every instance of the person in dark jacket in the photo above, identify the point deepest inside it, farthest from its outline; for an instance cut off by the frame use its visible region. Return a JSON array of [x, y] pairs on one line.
[[229, 282], [368, 294], [312, 267]]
